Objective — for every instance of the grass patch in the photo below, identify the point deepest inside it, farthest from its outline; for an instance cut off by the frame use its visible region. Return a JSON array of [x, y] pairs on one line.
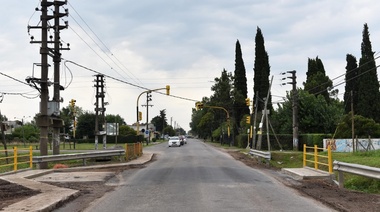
[[292, 159]]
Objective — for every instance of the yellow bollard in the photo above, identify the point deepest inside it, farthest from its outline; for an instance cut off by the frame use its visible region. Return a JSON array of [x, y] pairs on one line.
[[329, 158], [15, 158], [316, 157], [30, 156]]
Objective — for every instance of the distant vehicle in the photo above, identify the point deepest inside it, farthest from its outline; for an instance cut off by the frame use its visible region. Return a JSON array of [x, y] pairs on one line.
[[174, 141], [182, 139]]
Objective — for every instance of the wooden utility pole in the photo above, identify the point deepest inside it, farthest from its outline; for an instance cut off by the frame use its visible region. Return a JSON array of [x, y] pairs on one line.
[[264, 118]]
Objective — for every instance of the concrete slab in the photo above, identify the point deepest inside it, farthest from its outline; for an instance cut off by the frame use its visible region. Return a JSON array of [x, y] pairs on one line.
[[74, 177], [306, 173], [50, 195], [45, 201]]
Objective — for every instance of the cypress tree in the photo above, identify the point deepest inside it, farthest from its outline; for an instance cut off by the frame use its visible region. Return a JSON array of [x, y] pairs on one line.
[[368, 90], [240, 86], [261, 71], [351, 83], [317, 82]]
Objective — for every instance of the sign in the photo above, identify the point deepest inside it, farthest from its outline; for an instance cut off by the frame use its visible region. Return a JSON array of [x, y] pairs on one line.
[[112, 129]]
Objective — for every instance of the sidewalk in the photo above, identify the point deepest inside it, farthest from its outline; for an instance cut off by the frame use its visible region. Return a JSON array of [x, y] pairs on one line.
[[50, 195]]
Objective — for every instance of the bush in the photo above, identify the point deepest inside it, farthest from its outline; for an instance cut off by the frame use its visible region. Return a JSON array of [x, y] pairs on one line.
[[242, 141]]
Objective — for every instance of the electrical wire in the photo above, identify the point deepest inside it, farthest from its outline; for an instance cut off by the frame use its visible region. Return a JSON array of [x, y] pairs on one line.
[[125, 82], [102, 49]]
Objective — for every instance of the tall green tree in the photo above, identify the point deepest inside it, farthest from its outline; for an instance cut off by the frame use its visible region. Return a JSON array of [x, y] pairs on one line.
[[240, 87], [351, 83], [364, 127], [160, 121], [110, 118], [261, 71], [221, 97], [315, 114], [126, 130], [86, 125], [317, 82], [368, 91], [196, 118]]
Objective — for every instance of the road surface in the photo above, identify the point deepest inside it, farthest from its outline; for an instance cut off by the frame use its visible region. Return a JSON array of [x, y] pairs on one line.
[[198, 177]]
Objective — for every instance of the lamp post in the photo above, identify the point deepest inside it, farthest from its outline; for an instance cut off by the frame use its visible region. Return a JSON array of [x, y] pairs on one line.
[[167, 88]]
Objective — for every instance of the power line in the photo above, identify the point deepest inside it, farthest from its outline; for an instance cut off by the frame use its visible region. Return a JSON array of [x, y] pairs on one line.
[[125, 82], [102, 49], [345, 80]]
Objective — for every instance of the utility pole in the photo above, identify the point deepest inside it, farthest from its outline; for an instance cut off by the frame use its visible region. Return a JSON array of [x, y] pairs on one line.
[[295, 109], [148, 99], [45, 119], [264, 116], [254, 121], [57, 121], [100, 97]]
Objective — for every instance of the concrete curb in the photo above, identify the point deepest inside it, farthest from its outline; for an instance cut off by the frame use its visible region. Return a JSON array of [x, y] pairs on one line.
[[306, 173], [52, 196]]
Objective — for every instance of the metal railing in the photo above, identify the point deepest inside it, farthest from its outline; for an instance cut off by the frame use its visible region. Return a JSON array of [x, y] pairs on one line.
[[75, 156], [20, 156], [131, 151], [262, 154], [357, 169], [316, 158]]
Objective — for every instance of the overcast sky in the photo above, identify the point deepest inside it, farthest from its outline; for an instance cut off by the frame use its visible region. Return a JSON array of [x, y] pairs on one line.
[[181, 43]]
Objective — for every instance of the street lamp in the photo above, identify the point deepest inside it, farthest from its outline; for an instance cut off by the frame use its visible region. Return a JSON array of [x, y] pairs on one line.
[[167, 88]]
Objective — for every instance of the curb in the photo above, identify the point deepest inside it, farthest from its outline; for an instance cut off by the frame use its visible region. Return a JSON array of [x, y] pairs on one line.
[[53, 195]]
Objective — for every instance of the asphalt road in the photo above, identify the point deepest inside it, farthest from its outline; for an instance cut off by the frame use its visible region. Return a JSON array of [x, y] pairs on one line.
[[198, 177]]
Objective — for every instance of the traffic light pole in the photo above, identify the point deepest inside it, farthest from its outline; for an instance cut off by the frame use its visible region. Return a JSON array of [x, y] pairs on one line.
[[167, 88], [199, 105]]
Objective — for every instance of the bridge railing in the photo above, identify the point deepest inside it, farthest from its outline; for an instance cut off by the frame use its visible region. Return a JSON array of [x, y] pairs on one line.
[[317, 159]]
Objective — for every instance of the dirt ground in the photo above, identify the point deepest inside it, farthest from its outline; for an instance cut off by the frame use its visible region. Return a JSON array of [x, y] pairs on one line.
[[323, 191]]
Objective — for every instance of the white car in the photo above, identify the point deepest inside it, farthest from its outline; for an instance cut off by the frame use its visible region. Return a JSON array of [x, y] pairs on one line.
[[174, 141]]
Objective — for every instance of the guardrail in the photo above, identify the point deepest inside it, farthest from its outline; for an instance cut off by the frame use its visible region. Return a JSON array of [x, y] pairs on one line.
[[262, 154], [62, 157], [17, 155], [366, 171], [317, 156]]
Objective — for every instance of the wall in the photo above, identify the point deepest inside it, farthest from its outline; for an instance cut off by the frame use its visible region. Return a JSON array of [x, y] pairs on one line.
[[345, 145]]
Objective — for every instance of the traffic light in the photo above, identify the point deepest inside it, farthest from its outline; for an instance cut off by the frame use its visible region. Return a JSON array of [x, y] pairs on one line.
[[198, 105], [140, 116], [72, 103], [248, 120], [168, 90], [248, 101]]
